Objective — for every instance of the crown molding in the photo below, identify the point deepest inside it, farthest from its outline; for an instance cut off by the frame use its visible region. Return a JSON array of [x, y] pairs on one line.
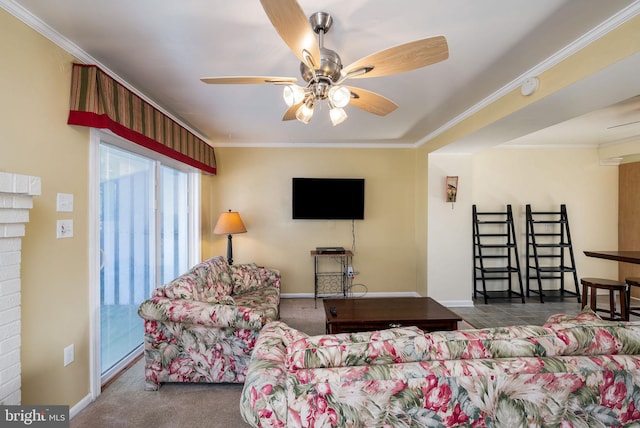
[[315, 145], [611, 162], [546, 146], [47, 31]]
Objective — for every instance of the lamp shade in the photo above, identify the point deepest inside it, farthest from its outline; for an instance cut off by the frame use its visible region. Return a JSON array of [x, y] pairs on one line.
[[229, 223]]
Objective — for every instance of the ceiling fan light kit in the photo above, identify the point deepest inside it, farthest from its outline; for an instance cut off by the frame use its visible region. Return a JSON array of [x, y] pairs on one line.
[[339, 96], [293, 94], [337, 115], [305, 111], [322, 69]]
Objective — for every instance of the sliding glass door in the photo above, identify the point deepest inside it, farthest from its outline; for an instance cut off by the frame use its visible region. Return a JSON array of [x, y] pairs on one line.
[[174, 224], [144, 242]]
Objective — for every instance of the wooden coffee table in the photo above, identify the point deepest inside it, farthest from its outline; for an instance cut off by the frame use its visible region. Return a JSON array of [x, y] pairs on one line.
[[368, 314]]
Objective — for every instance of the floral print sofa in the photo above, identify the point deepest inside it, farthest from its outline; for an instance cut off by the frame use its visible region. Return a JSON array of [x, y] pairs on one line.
[[575, 371], [202, 326]]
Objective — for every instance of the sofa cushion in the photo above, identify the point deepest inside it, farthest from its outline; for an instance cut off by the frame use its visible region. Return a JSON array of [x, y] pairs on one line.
[[221, 300], [588, 334], [208, 281], [407, 345], [587, 315], [498, 342], [217, 283], [355, 349], [187, 286], [411, 344], [244, 277], [599, 338], [265, 300]]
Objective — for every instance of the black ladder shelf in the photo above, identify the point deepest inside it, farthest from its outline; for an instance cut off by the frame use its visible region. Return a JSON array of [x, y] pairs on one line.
[[550, 253], [495, 255]]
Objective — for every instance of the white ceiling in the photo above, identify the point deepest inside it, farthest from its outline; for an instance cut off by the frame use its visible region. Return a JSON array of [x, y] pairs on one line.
[[163, 48]]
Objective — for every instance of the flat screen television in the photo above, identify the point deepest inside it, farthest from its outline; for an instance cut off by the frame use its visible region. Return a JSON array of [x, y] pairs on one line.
[[328, 198]]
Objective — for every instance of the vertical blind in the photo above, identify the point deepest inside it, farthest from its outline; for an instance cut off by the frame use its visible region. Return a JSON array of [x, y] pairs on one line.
[[99, 101]]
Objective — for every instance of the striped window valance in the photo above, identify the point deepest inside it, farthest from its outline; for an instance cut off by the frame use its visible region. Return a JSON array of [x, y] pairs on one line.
[[99, 101]]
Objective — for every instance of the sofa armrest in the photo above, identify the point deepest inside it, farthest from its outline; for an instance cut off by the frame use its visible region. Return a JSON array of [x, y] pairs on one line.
[[263, 401], [274, 339], [249, 277], [201, 313]]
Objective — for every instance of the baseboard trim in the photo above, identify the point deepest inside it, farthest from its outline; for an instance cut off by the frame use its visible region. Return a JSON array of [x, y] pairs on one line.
[[447, 303], [296, 295], [80, 405], [457, 303], [310, 295]]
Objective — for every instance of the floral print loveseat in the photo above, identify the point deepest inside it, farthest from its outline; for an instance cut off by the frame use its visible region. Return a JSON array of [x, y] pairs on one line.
[[575, 371], [203, 325]]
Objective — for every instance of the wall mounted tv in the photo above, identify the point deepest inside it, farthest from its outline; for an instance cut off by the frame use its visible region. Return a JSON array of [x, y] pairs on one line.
[[328, 198]]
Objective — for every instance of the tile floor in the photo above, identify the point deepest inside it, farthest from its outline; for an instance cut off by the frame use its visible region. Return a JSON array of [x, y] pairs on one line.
[[503, 312], [498, 312]]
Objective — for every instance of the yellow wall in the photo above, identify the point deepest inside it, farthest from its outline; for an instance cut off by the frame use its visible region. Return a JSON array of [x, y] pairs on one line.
[[35, 140], [257, 183], [546, 178], [420, 218]]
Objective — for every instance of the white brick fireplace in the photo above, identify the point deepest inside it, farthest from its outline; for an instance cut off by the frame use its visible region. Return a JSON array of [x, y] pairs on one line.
[[16, 194]]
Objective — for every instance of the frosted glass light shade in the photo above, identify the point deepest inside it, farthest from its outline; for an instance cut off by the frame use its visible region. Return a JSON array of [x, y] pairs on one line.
[[293, 94], [337, 116], [305, 113], [339, 96]]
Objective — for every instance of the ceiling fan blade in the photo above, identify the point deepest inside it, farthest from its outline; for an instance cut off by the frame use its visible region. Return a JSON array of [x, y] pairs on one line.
[[290, 114], [371, 102], [398, 59], [247, 80], [294, 28]]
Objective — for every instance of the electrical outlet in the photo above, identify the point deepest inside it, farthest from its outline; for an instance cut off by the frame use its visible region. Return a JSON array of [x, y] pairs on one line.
[[64, 229], [68, 355]]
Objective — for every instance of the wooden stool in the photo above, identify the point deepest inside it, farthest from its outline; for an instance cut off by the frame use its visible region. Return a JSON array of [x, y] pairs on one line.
[[596, 284], [632, 282]]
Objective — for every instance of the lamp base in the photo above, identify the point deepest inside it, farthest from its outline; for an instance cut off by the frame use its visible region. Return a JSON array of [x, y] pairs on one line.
[[229, 250]]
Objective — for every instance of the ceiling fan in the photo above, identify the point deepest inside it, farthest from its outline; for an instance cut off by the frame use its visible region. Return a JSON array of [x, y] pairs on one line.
[[322, 69]]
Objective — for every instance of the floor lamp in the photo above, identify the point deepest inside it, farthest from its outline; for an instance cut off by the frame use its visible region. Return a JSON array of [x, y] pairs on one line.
[[229, 223]]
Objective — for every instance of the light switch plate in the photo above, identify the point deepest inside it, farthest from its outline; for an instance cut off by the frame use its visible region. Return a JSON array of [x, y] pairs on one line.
[[64, 203]]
